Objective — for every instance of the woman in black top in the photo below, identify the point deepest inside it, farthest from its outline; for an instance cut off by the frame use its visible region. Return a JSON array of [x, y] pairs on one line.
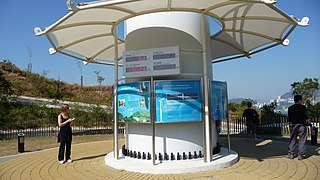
[[252, 121], [65, 134]]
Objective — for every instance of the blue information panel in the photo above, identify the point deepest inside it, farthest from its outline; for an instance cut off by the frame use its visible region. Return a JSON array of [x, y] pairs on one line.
[[178, 101], [134, 102], [219, 100]]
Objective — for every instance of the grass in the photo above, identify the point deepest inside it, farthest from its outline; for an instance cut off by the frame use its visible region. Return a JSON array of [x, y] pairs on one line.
[[10, 147]]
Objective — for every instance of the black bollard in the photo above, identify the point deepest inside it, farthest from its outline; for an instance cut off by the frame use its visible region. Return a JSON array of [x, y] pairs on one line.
[[166, 157], [172, 156], [149, 156], [195, 156], [21, 142], [200, 154], [124, 150], [131, 154], [134, 154], [184, 156], [178, 156], [160, 157], [143, 155], [139, 155]]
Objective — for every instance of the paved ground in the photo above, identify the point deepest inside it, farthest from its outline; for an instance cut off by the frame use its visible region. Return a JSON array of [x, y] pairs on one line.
[[258, 160]]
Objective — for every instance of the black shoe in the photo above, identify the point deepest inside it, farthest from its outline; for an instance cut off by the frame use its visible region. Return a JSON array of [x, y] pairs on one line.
[[290, 156]]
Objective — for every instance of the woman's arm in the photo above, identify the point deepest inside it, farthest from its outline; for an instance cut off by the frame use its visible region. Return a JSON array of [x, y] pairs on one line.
[[60, 123]]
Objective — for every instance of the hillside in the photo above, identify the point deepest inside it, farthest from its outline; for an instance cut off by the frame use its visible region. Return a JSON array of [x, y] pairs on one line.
[[36, 85], [289, 95]]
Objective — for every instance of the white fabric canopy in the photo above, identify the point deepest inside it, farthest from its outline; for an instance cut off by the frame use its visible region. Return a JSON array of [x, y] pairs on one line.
[[248, 26]]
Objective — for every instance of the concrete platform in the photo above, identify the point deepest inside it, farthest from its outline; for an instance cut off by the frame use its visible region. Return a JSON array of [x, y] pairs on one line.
[[265, 159], [220, 161]]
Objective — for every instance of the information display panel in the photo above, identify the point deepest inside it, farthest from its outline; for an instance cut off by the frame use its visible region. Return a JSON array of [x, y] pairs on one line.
[[134, 102], [219, 100], [178, 101], [151, 62]]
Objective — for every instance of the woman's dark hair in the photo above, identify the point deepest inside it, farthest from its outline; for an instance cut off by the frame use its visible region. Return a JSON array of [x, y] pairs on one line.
[[64, 107], [249, 104]]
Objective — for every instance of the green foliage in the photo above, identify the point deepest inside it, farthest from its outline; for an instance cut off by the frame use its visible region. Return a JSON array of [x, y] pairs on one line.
[[43, 87], [269, 115], [31, 116], [244, 102], [268, 109], [100, 79], [314, 110], [236, 109], [5, 89], [38, 85], [307, 89]]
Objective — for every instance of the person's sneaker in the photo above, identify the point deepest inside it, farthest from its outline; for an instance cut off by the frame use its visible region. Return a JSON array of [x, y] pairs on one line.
[[61, 162], [69, 161], [290, 156], [301, 157]]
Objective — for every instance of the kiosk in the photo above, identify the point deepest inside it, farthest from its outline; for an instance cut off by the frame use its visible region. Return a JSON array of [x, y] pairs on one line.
[[169, 100]]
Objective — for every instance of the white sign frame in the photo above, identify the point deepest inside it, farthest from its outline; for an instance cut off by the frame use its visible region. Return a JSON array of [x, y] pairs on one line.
[[151, 62]]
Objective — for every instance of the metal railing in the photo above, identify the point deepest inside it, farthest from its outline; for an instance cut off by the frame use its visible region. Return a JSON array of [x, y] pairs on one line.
[[274, 125], [44, 128]]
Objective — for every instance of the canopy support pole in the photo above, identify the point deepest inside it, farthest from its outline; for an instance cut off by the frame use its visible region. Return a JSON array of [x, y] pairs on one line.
[[153, 119], [115, 94], [207, 125], [228, 122]]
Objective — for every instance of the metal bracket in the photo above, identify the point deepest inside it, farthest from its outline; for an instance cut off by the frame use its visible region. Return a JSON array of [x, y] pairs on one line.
[[270, 1], [303, 22], [71, 5], [37, 31], [286, 42], [52, 51]]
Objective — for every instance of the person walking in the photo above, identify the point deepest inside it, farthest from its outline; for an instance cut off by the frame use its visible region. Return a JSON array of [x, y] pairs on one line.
[[65, 134], [252, 121], [297, 115]]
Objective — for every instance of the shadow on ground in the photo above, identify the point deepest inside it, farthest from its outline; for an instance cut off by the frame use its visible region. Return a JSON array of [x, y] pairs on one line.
[[264, 148], [90, 157]]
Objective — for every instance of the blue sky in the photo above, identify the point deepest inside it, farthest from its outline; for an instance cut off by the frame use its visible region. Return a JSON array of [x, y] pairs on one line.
[[265, 76]]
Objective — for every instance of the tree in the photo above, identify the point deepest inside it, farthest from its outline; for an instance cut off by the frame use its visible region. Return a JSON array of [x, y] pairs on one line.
[[314, 111], [245, 101], [100, 79], [268, 109], [81, 76], [5, 88], [5, 92], [269, 115], [236, 109], [307, 89]]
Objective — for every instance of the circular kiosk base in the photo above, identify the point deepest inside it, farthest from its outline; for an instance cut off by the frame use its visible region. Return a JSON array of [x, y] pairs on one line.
[[221, 160]]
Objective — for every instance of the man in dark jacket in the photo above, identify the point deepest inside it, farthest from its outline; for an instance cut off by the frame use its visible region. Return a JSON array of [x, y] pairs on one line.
[[252, 121], [297, 115]]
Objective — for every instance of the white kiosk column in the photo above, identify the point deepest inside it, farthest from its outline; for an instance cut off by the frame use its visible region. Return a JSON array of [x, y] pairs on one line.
[[190, 32]]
